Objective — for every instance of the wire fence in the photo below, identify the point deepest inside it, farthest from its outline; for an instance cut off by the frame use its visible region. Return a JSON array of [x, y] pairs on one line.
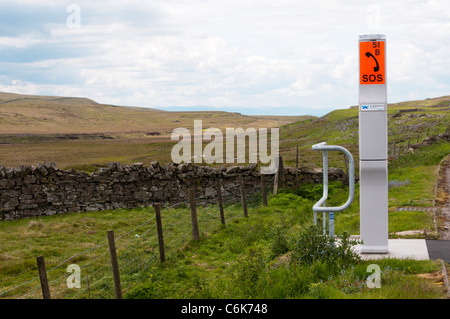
[[407, 139], [89, 274]]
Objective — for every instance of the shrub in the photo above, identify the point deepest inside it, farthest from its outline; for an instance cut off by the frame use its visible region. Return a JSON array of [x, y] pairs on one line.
[[249, 270], [287, 200], [144, 291], [280, 242], [312, 246], [312, 192], [322, 290]]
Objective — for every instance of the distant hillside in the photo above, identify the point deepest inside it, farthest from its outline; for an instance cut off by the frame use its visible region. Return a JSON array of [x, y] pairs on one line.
[[80, 133], [409, 119], [32, 114]]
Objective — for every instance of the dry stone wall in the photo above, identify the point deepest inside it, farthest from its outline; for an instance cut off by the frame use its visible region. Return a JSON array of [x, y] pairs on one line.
[[44, 189]]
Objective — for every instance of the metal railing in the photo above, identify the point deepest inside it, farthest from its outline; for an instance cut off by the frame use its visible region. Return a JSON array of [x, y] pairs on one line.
[[320, 206]]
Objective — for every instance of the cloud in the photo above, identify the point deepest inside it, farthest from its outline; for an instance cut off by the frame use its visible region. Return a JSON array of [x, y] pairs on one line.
[[246, 55]]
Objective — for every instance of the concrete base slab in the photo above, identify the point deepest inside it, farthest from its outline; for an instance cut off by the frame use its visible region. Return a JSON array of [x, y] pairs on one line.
[[400, 248]]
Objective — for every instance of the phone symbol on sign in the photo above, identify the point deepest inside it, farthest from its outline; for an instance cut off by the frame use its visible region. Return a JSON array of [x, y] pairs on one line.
[[377, 67]]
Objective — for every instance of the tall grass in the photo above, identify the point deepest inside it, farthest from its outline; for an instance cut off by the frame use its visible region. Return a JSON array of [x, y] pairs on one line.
[[426, 156], [278, 253], [415, 176]]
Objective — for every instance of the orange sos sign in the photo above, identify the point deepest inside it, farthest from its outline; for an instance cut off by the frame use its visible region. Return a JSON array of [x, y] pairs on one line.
[[372, 69]]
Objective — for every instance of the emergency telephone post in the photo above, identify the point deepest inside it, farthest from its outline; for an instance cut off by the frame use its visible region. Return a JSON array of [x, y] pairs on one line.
[[373, 150]]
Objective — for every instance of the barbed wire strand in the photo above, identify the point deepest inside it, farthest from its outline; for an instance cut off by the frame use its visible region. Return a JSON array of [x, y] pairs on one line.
[[131, 260]]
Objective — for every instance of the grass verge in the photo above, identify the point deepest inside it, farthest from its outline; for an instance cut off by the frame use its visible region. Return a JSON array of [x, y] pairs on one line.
[[277, 254]]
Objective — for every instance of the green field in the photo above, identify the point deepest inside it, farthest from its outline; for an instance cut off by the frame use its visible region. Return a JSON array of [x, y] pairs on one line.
[[246, 258], [275, 252], [262, 256]]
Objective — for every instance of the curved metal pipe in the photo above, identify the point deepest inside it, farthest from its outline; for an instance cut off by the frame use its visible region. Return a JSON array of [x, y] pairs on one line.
[[351, 176]]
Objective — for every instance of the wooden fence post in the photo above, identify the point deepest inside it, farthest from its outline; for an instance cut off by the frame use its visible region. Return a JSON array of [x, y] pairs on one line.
[[114, 263], [195, 231], [243, 200], [43, 277], [219, 197], [162, 254], [279, 176], [263, 189], [346, 168]]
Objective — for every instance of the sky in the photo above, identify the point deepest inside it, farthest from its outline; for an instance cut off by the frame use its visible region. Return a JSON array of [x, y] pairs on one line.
[[284, 57]]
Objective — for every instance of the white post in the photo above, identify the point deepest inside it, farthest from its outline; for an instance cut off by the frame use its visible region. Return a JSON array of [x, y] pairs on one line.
[[373, 144]]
